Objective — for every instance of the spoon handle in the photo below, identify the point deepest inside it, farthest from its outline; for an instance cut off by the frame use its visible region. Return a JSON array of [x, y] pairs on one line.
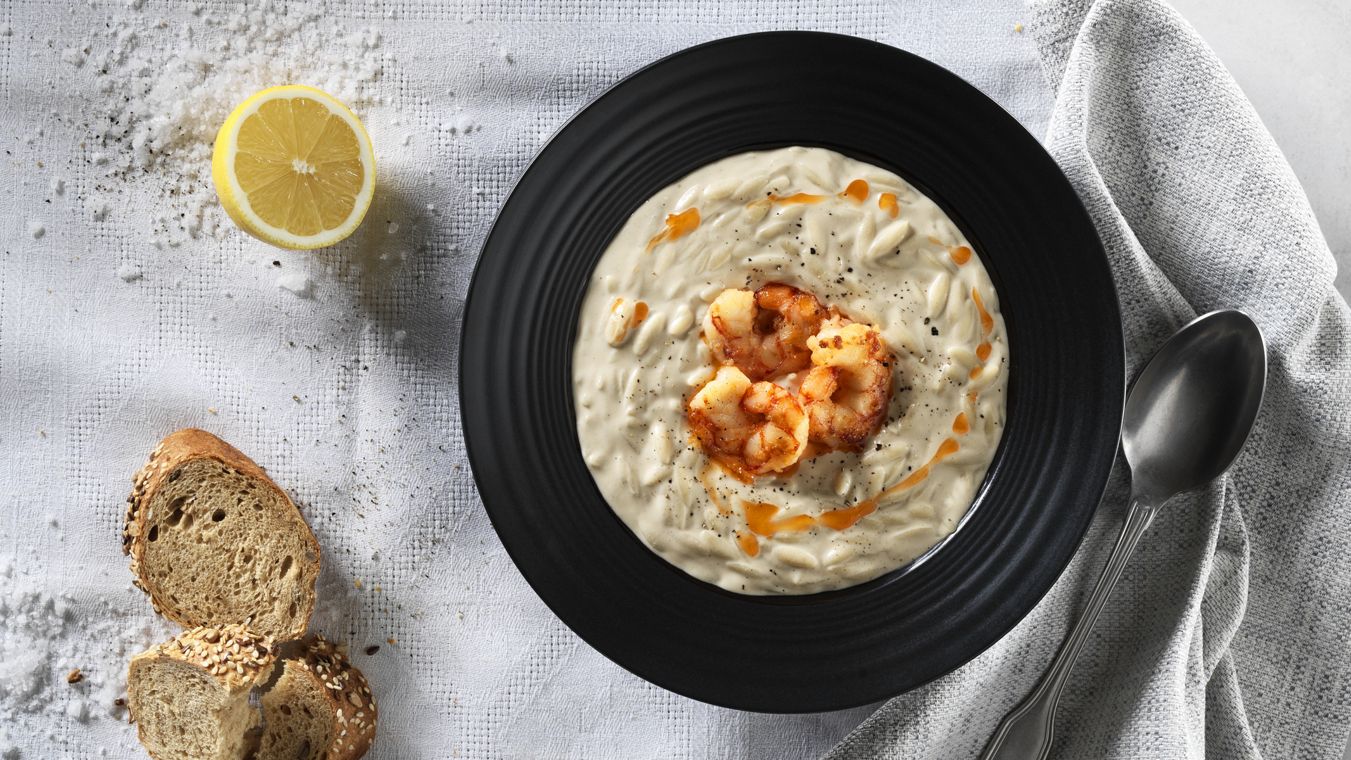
[[1026, 732]]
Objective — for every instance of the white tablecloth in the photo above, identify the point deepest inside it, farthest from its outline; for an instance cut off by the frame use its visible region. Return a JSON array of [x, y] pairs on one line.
[[125, 313]]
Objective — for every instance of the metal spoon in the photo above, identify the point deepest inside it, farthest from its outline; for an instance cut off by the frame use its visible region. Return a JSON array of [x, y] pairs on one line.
[[1186, 420]]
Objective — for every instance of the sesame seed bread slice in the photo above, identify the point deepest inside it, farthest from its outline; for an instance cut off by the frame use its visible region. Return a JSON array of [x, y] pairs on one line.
[[190, 695], [214, 541], [320, 707]]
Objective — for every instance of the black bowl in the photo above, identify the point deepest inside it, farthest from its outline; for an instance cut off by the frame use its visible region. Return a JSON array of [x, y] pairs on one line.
[[1065, 393]]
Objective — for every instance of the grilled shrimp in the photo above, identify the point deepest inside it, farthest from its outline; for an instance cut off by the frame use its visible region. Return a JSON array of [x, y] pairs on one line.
[[751, 428], [846, 392], [763, 334]]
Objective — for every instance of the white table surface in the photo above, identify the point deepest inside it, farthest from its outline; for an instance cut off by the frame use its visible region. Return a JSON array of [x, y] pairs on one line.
[[1293, 60]]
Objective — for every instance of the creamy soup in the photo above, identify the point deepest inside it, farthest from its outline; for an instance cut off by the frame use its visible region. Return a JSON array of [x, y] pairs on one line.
[[873, 252]]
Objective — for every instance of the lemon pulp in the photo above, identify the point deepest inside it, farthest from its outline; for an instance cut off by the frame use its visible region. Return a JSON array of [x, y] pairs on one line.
[[294, 167]]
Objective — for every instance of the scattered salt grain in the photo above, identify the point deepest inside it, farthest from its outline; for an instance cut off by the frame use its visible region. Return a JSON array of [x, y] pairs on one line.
[[6, 30], [464, 125], [43, 635], [168, 87], [296, 283], [407, 139], [129, 272], [400, 336], [77, 710], [36, 228], [58, 186], [74, 56], [393, 228]]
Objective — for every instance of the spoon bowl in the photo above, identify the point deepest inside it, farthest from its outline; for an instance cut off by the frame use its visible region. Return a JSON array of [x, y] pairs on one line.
[[1191, 409]]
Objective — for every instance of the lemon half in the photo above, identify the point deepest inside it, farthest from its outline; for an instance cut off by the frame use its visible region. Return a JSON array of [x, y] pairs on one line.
[[294, 167]]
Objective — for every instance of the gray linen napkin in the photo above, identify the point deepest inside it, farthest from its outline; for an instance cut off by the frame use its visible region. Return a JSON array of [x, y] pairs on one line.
[[1227, 637]]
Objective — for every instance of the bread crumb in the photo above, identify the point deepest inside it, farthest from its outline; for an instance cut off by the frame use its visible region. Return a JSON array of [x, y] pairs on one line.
[[372, 649], [74, 676], [357, 582], [1018, 28], [212, 410], [391, 641]]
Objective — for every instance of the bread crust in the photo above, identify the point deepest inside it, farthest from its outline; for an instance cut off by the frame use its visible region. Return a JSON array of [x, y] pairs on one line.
[[354, 710], [233, 655], [237, 657], [178, 448]]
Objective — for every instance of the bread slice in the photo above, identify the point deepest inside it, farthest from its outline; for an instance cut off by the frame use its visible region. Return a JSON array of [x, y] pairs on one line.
[[190, 695], [320, 707], [214, 541]]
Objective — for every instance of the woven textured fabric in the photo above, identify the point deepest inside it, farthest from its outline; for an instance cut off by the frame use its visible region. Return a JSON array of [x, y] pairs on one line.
[[113, 332], [1227, 635]]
